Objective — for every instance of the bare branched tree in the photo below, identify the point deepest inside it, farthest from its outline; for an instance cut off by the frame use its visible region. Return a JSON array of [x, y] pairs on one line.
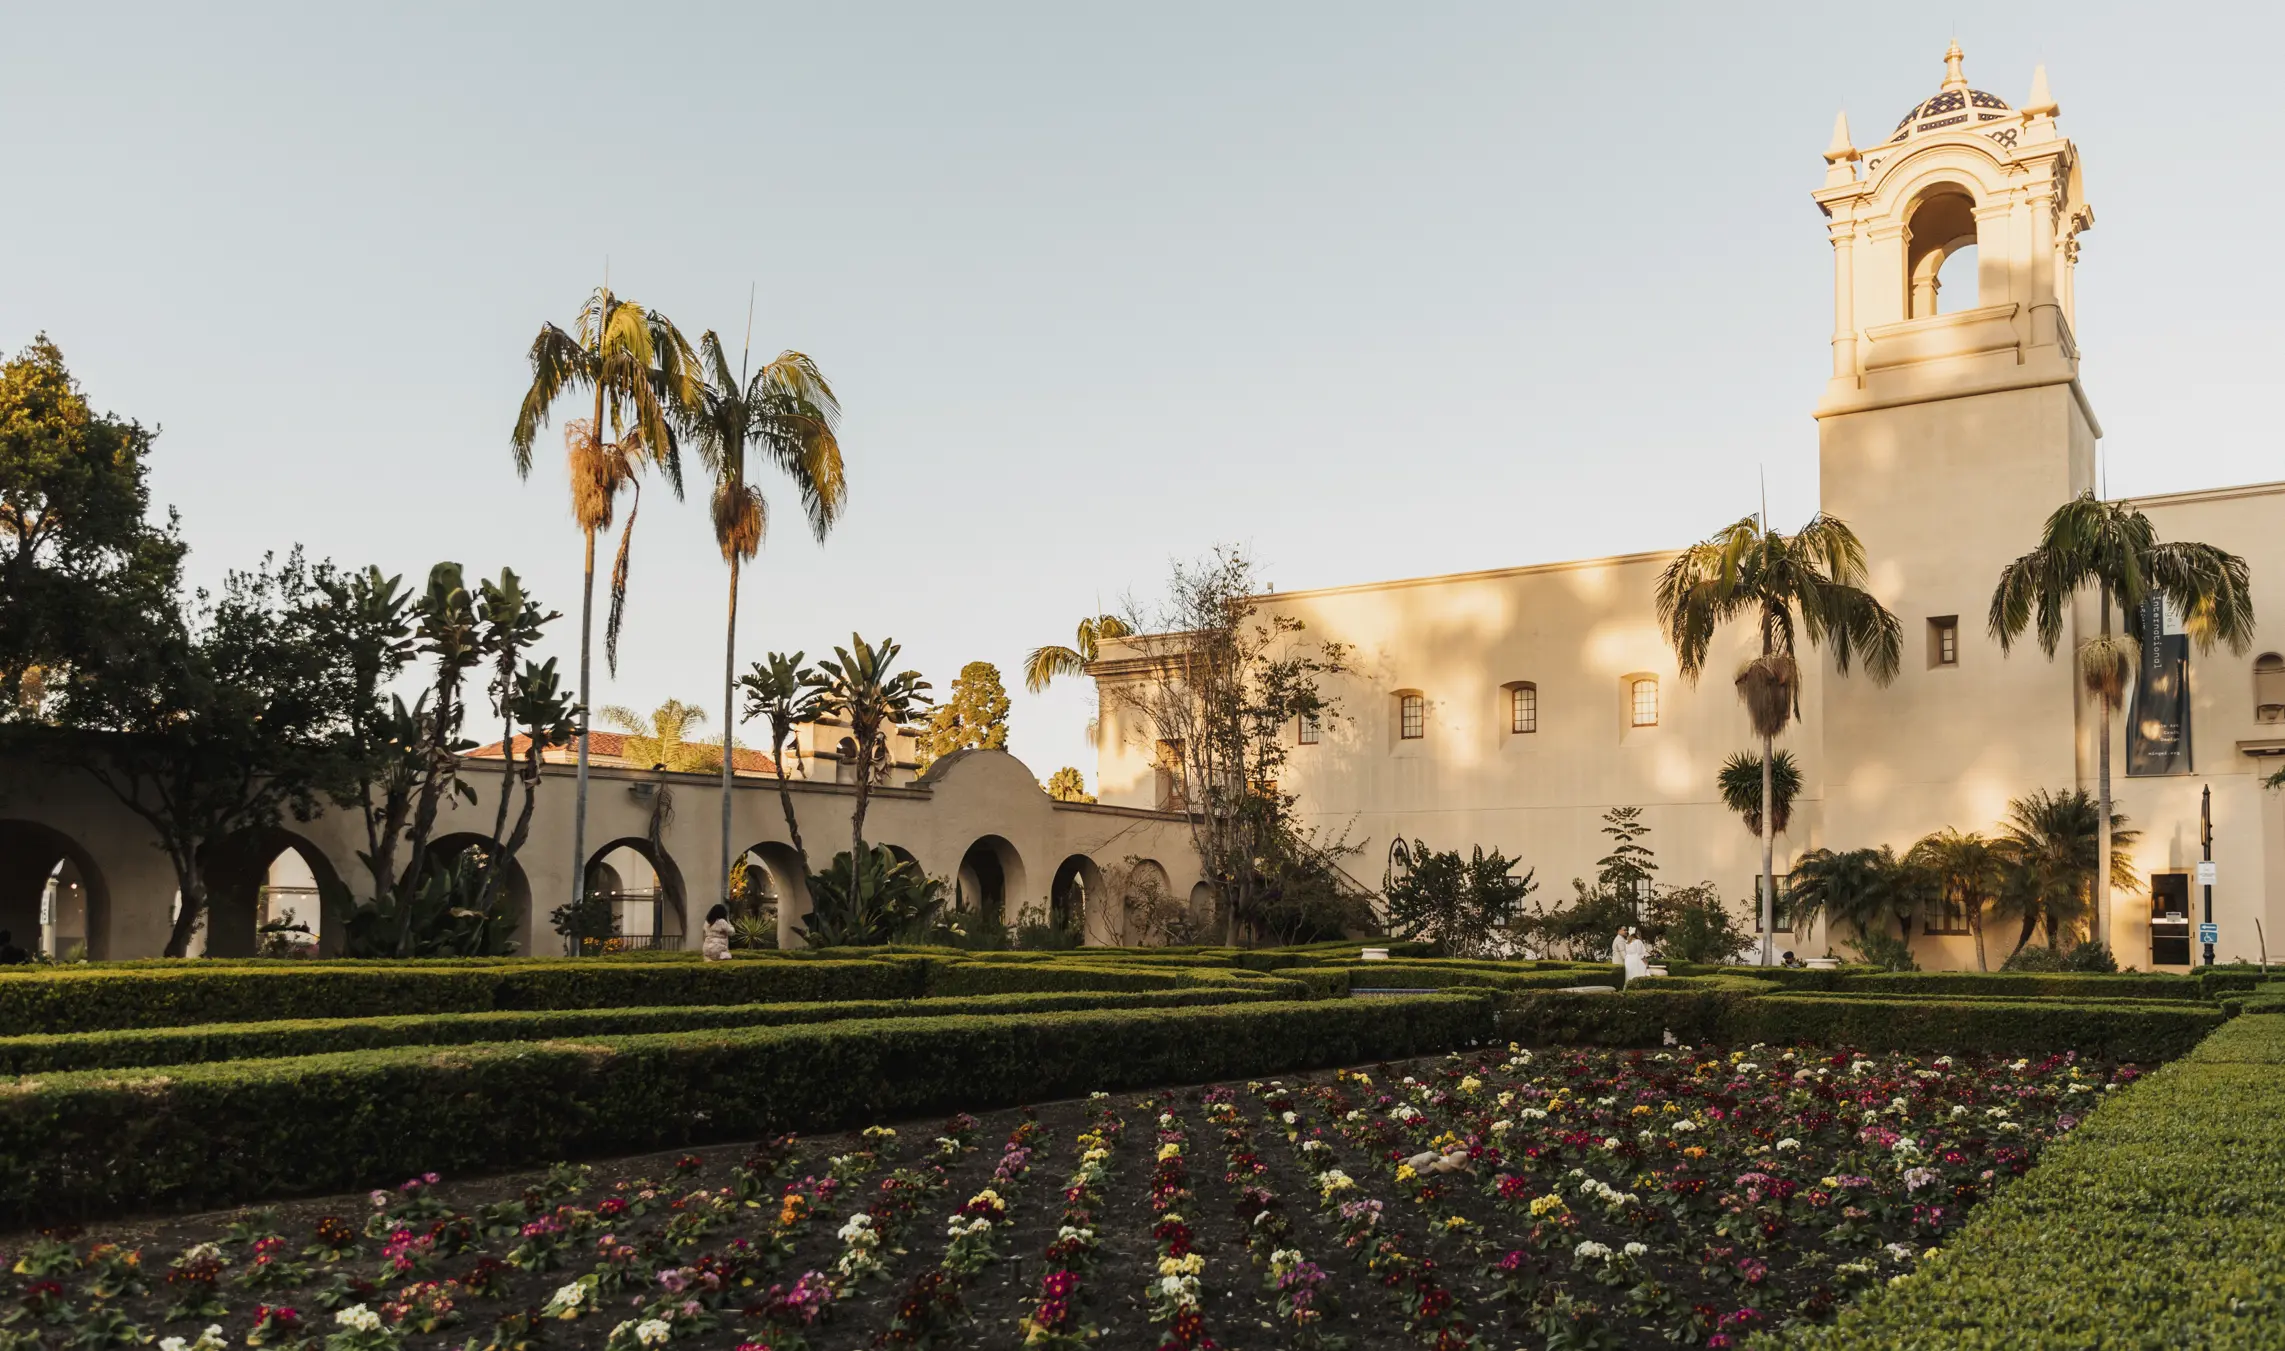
[[1218, 682]]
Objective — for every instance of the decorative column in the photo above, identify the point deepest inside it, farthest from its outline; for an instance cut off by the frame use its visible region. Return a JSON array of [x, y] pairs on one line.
[[1843, 231]]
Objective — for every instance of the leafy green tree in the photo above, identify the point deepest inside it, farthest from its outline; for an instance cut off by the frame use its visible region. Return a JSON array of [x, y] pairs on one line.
[[663, 737], [213, 718], [1740, 780], [1968, 871], [642, 374], [787, 694], [1693, 924], [974, 718], [2052, 841], [1068, 785], [786, 413], [2112, 548], [857, 686], [1456, 903], [1629, 869], [79, 565], [1044, 664], [1812, 583]]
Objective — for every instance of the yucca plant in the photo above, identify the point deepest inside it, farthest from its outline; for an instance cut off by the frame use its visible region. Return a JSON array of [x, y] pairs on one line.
[[1810, 582], [2112, 548]]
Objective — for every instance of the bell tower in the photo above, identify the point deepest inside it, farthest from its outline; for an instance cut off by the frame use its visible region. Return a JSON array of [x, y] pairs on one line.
[[1952, 424]]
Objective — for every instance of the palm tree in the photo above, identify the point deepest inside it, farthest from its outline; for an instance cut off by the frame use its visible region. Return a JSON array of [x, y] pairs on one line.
[[858, 687], [2112, 547], [789, 694], [639, 368], [1046, 663], [1968, 870], [1739, 782], [2051, 841], [788, 413], [1862, 888], [661, 738], [1749, 570]]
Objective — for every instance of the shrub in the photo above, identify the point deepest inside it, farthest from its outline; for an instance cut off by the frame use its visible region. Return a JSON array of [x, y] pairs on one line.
[[1443, 975], [2135, 985], [2082, 957], [223, 1134], [2139, 1032], [2159, 1222], [53, 1052]]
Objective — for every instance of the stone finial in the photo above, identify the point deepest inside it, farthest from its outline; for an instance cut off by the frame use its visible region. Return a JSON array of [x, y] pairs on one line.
[[1842, 149], [1954, 78], [2041, 103]]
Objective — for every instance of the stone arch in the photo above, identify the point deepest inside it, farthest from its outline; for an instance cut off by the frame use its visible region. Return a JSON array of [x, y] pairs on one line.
[[1076, 893], [991, 880], [1942, 225], [241, 897], [1202, 905], [1146, 903], [518, 887], [778, 883], [651, 916], [30, 855]]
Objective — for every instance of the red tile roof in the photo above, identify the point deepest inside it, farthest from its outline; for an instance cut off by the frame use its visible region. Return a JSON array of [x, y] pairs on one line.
[[610, 748]]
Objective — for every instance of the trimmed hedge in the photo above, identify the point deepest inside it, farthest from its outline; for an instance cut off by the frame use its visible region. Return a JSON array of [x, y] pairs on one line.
[[223, 1134], [56, 1052], [97, 998], [101, 998], [1440, 975], [2145, 1033], [2160, 1222], [2077, 985]]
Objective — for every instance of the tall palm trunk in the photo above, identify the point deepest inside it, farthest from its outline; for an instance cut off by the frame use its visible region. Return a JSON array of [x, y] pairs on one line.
[[1976, 923], [2102, 796], [729, 718], [1768, 851], [586, 700]]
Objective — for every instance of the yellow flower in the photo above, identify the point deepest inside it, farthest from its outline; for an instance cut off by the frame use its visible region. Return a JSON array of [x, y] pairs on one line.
[[1641, 1109], [1455, 1222], [1543, 1206], [1470, 1084], [1404, 1172]]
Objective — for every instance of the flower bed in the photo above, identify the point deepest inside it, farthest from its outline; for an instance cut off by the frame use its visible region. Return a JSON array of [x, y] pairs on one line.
[[1566, 1198]]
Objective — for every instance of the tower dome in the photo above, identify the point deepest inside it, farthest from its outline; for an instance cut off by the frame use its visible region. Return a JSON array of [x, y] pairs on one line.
[[1953, 105]]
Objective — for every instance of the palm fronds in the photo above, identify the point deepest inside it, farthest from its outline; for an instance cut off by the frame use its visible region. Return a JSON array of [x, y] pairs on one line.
[[1044, 664], [1739, 782]]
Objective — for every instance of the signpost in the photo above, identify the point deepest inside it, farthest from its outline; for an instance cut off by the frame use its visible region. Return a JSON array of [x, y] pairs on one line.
[[2209, 933]]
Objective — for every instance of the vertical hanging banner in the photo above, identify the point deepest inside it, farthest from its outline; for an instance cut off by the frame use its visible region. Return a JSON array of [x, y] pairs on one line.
[[2158, 720]]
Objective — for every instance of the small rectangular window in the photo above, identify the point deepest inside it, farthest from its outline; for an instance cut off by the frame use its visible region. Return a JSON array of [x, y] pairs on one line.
[[1645, 702], [1523, 709], [1946, 914], [1780, 905], [1307, 734], [1412, 717], [1944, 640]]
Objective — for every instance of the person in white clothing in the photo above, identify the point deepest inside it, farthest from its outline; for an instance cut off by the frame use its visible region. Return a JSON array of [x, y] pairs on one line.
[[1636, 957], [715, 945]]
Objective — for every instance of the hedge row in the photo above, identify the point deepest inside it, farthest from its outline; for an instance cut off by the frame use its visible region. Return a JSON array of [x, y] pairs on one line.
[[2145, 1033], [1442, 975], [223, 1134], [2160, 1222], [48, 1053], [99, 998]]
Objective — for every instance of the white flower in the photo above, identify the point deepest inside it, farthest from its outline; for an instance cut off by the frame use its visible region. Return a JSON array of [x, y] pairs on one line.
[[860, 1226], [1292, 1117], [1788, 1143], [565, 1302], [1943, 1062], [1685, 1126], [1747, 1067], [1502, 1127], [173, 1344], [1610, 1142], [653, 1332], [358, 1318], [1636, 1249], [1590, 1248], [1902, 1252]]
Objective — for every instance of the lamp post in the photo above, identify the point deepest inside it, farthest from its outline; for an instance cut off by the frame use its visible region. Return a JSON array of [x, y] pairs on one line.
[[2206, 873]]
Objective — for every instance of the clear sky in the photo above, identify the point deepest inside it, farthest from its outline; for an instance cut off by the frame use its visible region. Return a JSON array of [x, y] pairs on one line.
[[1374, 291]]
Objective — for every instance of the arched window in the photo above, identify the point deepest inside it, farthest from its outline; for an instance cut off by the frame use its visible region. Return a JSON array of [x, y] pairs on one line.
[[1522, 707], [1411, 716], [1943, 227], [2269, 688], [1642, 701]]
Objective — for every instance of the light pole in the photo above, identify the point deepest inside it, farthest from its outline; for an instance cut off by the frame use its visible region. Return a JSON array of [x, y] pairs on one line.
[[2206, 873]]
